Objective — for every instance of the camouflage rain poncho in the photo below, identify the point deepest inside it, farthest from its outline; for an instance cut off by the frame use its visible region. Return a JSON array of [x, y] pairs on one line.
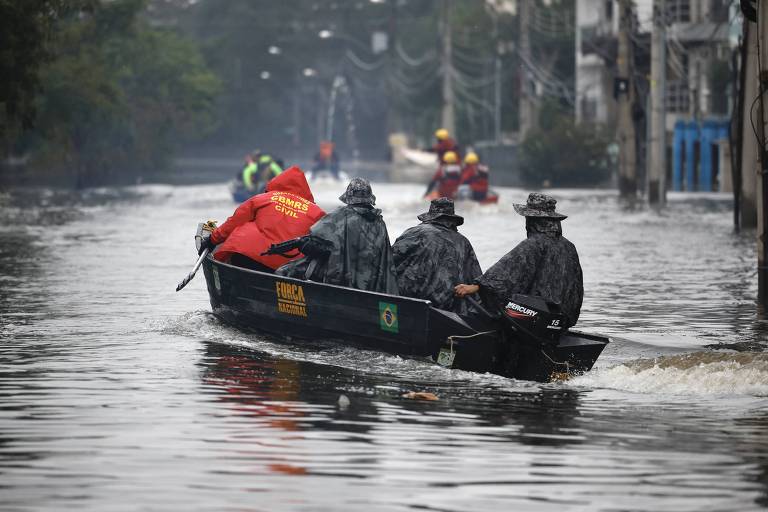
[[348, 247], [432, 258], [545, 264]]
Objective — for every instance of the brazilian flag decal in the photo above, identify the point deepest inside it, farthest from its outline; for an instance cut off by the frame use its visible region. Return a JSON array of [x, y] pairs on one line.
[[388, 317]]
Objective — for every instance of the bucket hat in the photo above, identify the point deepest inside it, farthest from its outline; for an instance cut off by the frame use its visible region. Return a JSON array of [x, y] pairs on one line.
[[358, 192], [441, 207], [539, 205]]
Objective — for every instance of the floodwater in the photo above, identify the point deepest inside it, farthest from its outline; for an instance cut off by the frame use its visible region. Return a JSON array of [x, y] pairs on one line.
[[117, 393]]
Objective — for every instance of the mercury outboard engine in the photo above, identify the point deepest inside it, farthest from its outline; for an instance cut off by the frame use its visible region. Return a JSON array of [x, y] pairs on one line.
[[534, 319]]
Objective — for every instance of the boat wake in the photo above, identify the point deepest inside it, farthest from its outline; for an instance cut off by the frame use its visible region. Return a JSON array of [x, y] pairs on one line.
[[205, 325], [714, 374]]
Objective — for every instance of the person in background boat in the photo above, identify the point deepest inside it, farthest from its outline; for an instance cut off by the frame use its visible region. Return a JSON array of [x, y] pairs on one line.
[[285, 210], [474, 179], [249, 175], [268, 169], [432, 257], [326, 159], [444, 144], [349, 246], [445, 182], [545, 264]]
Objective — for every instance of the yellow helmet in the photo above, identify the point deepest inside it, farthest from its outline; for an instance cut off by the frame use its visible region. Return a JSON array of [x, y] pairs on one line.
[[441, 134], [471, 158], [450, 157]]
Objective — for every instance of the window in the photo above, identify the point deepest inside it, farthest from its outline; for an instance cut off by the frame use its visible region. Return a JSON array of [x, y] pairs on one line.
[[678, 11]]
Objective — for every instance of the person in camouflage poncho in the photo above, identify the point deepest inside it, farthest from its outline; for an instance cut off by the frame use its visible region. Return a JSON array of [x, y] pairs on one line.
[[433, 257], [546, 264], [349, 246]]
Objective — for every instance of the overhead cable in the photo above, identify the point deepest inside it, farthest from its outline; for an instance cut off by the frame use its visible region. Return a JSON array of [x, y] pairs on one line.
[[428, 57], [361, 64]]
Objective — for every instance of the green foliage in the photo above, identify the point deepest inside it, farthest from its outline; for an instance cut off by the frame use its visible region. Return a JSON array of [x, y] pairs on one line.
[[391, 93], [117, 95], [25, 31], [561, 153]]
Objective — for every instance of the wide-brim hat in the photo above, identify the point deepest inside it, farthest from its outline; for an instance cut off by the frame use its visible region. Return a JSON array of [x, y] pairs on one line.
[[441, 207], [358, 192], [539, 205]]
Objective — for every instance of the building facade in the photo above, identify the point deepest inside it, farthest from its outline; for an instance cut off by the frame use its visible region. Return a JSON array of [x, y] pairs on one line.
[[701, 39]]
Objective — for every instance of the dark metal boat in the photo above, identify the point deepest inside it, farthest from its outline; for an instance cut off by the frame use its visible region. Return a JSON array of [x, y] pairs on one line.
[[524, 342], [239, 193]]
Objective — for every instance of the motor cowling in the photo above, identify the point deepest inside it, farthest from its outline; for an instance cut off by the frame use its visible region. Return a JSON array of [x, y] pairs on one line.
[[533, 317]]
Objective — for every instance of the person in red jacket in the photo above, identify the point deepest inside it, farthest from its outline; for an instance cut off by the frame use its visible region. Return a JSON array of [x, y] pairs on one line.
[[445, 182], [444, 144], [286, 210], [475, 177]]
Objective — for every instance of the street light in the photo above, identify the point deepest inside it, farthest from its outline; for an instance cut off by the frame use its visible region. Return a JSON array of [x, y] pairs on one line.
[[265, 75], [308, 72], [274, 50], [330, 34]]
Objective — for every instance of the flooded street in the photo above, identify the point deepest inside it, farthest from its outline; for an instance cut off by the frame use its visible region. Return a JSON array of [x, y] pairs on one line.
[[117, 393]]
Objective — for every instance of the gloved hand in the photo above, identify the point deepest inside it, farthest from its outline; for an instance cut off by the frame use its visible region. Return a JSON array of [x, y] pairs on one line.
[[315, 247], [206, 243]]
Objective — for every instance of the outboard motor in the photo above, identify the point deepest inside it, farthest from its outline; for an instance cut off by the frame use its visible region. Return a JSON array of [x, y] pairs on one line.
[[534, 319]]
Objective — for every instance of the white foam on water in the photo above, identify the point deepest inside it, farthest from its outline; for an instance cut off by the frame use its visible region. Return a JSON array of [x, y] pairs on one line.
[[204, 325], [697, 374]]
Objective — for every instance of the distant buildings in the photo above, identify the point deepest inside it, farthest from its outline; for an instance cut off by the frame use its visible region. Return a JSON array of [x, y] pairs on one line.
[[701, 37]]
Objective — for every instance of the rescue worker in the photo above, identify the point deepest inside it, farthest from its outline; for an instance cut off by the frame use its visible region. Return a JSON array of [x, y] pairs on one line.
[[474, 178], [433, 257], [445, 182], [349, 246], [268, 169], [285, 210], [327, 159], [546, 264], [444, 144], [249, 174]]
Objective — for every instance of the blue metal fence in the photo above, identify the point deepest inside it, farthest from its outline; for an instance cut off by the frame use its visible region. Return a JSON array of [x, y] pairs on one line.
[[694, 167]]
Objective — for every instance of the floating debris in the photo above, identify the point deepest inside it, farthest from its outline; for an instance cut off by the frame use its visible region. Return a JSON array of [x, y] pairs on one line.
[[420, 395]]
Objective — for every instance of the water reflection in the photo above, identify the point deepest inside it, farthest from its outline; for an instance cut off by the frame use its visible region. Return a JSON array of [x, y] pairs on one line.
[[260, 387], [279, 394]]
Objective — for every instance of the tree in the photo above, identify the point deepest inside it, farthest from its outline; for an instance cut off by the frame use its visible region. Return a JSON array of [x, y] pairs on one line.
[[117, 95], [26, 29], [561, 153]]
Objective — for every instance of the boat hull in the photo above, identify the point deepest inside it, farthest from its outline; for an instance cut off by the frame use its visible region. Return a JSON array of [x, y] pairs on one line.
[[239, 193], [296, 309]]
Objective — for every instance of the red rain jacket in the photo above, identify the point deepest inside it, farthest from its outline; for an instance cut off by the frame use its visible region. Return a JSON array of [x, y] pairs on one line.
[[445, 145], [476, 176], [447, 180], [286, 210]]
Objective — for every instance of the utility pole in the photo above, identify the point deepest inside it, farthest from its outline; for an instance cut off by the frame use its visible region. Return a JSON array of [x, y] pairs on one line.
[[321, 113], [496, 80], [625, 95], [657, 171], [747, 149], [393, 123], [526, 108], [762, 153], [297, 116], [448, 117], [298, 109]]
